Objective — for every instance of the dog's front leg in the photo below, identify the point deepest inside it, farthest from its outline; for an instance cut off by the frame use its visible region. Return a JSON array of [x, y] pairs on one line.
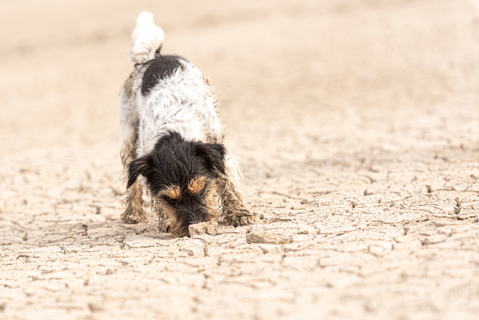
[[234, 211], [134, 211], [164, 221]]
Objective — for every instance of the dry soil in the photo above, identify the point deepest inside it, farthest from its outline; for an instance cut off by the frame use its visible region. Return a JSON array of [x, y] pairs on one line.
[[357, 125]]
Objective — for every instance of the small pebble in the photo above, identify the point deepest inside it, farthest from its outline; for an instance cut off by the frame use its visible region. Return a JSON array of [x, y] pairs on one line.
[[267, 237], [208, 227]]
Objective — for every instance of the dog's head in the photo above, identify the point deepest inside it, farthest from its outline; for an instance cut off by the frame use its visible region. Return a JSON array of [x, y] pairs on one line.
[[181, 177]]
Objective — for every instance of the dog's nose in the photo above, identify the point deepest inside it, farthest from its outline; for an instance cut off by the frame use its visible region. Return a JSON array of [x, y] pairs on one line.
[[197, 220], [194, 213]]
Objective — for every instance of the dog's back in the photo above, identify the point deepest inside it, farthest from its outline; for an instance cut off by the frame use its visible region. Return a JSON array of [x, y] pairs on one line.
[[174, 97]]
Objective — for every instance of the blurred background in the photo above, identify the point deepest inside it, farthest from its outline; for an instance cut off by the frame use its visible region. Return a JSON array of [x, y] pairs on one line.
[[282, 69]]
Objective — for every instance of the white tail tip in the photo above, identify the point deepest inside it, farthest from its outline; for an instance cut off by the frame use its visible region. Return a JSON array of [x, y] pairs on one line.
[[147, 37]]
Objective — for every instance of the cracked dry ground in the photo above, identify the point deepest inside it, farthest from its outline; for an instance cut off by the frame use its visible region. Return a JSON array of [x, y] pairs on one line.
[[357, 125]]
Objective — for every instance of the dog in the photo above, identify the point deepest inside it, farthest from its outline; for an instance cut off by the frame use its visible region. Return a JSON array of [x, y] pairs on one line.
[[172, 141]]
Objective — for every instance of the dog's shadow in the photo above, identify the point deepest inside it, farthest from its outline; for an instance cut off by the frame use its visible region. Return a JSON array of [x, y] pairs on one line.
[[117, 233], [112, 232], [68, 233]]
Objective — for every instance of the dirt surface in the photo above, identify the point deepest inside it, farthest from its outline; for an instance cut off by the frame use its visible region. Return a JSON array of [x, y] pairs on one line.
[[357, 124]]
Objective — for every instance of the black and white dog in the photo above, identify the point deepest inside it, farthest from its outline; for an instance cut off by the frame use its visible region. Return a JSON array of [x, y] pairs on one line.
[[171, 136]]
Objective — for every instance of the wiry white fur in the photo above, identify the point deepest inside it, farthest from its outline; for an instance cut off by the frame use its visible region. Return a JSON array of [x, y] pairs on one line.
[[147, 37], [182, 103]]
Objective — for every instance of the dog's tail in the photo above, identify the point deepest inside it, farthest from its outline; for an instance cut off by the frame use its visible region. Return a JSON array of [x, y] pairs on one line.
[[147, 39]]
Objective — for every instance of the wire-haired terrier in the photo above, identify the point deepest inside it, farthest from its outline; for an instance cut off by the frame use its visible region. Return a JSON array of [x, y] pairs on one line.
[[172, 137]]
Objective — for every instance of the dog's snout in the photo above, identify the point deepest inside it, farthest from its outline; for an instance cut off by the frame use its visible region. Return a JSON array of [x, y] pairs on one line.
[[187, 216], [198, 219], [198, 216]]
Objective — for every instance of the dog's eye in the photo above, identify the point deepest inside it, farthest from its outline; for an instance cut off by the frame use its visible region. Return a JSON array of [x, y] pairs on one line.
[[171, 200], [202, 192]]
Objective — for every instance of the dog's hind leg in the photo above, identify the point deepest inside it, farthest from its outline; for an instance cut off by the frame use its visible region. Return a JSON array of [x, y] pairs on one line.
[[229, 189], [134, 211]]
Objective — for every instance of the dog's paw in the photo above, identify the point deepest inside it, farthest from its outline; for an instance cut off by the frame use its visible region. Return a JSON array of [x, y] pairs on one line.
[[246, 219], [241, 217], [133, 217], [164, 226]]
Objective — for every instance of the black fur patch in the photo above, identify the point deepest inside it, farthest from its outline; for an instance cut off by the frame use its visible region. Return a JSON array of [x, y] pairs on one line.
[[159, 68]]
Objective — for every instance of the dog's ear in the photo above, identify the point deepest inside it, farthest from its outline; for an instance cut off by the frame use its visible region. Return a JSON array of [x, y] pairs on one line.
[[135, 168], [213, 154]]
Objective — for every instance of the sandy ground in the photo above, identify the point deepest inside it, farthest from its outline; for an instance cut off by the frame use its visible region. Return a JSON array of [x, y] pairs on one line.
[[357, 124]]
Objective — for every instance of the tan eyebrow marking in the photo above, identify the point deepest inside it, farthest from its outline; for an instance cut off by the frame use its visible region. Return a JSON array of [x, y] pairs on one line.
[[197, 184], [172, 192]]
